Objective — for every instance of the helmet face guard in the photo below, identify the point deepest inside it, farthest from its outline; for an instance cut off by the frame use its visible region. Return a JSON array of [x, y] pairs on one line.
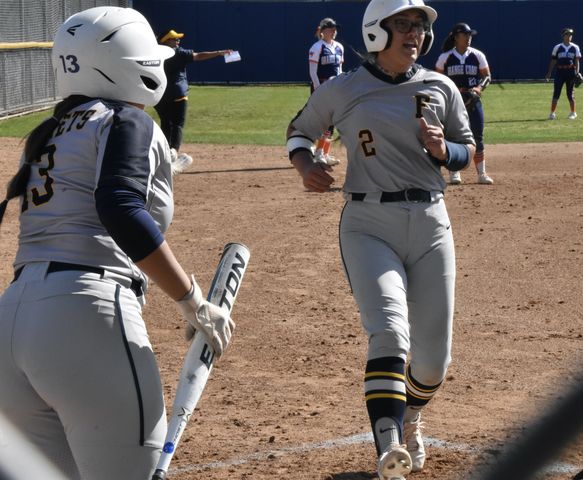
[[378, 37], [112, 53]]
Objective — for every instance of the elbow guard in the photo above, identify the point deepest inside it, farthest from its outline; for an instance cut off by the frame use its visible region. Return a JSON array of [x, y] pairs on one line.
[[297, 142]]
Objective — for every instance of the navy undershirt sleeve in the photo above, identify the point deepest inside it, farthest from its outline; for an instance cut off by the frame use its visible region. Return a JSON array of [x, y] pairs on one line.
[[122, 212], [458, 156], [120, 196]]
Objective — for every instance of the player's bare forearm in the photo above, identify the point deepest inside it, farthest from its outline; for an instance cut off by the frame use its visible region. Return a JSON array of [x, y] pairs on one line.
[[200, 56], [432, 139], [472, 149], [163, 268], [315, 176]]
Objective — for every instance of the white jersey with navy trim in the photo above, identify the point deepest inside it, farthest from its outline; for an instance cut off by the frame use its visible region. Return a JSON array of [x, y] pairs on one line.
[[565, 55], [59, 221], [329, 58], [376, 120]]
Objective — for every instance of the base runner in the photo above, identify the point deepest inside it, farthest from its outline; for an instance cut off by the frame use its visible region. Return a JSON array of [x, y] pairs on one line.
[[400, 124]]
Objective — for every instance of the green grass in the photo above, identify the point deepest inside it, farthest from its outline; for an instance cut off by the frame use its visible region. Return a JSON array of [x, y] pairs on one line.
[[517, 113], [258, 115]]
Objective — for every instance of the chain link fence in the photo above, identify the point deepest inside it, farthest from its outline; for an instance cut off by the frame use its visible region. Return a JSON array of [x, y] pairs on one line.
[[27, 28]]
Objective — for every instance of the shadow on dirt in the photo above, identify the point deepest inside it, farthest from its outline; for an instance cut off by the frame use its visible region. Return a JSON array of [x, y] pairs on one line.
[[351, 476]]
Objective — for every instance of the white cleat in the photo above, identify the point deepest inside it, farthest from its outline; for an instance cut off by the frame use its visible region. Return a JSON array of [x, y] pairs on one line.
[[572, 116], [394, 463], [484, 179], [414, 442], [455, 178], [552, 116], [181, 163]]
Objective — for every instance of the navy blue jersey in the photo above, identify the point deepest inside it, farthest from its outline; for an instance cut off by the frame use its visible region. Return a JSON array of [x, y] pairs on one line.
[[464, 69], [328, 57], [175, 69], [565, 55]]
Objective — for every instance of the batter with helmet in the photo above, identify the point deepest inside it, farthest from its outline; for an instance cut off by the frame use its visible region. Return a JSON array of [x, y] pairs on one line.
[[565, 60], [400, 124], [77, 369], [469, 69]]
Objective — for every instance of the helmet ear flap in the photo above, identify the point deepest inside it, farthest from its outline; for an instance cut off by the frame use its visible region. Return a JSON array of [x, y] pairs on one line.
[[427, 42], [389, 34]]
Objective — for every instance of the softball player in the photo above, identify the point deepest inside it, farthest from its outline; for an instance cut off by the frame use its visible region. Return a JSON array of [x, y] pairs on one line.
[[77, 370], [326, 56], [400, 123], [173, 105], [565, 59], [469, 70]]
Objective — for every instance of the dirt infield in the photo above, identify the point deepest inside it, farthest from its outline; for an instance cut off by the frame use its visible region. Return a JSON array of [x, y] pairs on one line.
[[287, 400]]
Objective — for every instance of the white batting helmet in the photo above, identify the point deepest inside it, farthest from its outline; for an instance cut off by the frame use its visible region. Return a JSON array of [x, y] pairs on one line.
[[112, 53], [376, 38]]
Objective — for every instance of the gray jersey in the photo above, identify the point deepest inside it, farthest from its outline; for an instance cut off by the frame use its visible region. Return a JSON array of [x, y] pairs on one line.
[[377, 124], [59, 221]]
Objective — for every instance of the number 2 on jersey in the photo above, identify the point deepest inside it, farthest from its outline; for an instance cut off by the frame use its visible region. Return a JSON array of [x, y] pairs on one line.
[[366, 142]]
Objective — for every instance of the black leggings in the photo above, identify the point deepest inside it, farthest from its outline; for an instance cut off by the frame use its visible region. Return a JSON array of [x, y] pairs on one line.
[[172, 117]]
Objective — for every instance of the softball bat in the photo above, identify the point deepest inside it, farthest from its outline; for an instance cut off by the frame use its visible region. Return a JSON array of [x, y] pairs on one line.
[[198, 362]]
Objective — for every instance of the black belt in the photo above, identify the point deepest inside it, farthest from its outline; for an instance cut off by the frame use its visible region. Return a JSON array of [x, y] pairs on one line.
[[136, 285], [411, 195]]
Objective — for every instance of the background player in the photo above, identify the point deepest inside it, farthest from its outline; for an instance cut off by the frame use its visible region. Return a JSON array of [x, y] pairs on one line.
[[395, 236], [469, 70], [325, 60], [173, 105], [77, 370], [565, 60], [326, 56]]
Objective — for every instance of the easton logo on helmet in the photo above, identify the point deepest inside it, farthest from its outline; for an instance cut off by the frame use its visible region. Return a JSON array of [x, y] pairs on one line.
[[149, 63]]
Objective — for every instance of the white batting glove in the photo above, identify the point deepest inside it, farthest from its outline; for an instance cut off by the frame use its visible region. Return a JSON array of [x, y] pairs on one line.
[[213, 321], [330, 160]]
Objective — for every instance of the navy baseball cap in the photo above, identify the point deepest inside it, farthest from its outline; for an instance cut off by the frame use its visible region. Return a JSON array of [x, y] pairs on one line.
[[567, 31], [463, 28], [328, 23]]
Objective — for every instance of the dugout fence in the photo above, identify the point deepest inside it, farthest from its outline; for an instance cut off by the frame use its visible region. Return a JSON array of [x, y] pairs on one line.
[[27, 28]]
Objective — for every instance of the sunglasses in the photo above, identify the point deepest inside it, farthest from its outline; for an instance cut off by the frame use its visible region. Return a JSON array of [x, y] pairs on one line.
[[402, 25]]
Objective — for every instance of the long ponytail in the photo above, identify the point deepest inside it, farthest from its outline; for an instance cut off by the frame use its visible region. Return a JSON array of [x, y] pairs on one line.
[[35, 143], [448, 43]]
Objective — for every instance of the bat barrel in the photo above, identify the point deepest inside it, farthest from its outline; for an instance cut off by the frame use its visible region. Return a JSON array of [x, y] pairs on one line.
[[199, 358]]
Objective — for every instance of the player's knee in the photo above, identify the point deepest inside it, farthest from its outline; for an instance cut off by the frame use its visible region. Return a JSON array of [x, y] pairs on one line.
[[386, 344], [430, 373]]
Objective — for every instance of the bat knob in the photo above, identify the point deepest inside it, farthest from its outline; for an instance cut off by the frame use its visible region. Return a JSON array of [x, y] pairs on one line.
[[159, 475]]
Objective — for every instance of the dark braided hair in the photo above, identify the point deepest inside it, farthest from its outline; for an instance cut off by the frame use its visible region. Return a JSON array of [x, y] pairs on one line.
[[35, 143]]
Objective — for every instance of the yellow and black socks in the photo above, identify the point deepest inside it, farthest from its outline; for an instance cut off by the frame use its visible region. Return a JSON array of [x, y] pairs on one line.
[[386, 399]]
